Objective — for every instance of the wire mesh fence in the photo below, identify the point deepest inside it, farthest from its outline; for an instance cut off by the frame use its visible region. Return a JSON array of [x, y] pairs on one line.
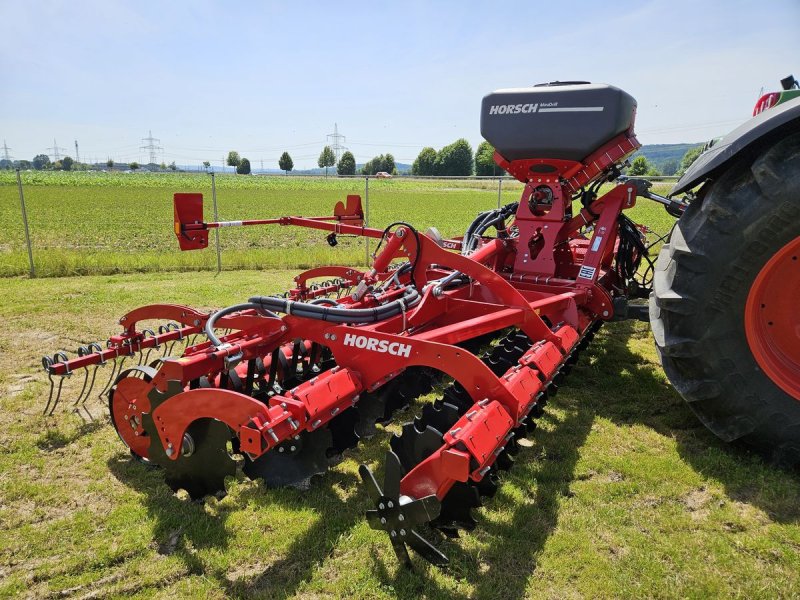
[[101, 229]]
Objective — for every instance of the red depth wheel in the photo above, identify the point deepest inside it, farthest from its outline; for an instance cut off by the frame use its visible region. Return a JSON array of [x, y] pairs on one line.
[[127, 401], [772, 318]]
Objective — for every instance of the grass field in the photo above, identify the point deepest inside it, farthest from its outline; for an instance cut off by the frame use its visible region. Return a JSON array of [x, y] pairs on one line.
[[621, 493], [101, 223]]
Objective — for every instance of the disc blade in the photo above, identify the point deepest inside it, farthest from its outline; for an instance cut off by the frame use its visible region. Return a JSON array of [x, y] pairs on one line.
[[293, 468], [343, 430], [203, 471], [413, 446]]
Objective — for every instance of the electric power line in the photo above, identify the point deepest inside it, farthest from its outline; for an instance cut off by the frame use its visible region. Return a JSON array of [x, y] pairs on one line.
[[56, 151], [6, 155], [336, 142], [152, 145]]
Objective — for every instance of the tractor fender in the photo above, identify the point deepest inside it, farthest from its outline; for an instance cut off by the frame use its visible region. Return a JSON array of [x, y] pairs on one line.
[[717, 157]]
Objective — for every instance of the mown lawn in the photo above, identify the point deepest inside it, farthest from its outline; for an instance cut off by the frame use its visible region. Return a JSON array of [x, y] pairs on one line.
[[620, 493]]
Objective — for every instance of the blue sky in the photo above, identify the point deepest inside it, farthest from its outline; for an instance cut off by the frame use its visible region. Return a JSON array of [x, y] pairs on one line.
[[261, 77]]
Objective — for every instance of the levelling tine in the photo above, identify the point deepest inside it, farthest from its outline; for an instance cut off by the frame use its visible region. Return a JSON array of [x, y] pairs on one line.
[[47, 363]]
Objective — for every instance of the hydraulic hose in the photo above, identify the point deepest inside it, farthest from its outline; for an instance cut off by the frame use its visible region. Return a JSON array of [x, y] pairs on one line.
[[212, 320], [339, 315]]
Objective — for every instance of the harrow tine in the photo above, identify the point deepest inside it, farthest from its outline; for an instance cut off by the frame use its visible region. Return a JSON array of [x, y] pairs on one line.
[[83, 351], [47, 363]]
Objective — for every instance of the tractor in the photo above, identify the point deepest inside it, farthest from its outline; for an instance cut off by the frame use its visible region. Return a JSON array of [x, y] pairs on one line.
[[281, 385]]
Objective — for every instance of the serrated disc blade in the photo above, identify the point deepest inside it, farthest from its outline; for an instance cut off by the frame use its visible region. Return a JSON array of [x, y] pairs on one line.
[[293, 468], [343, 430], [203, 472], [413, 446], [439, 415]]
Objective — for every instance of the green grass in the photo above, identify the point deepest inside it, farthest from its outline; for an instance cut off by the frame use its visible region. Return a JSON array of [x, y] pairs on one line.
[[100, 223], [621, 492]]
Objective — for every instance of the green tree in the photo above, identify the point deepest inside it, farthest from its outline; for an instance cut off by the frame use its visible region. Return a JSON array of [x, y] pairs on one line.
[[326, 159], [389, 165], [207, 164], [67, 162], [670, 167], [639, 167], [425, 163], [484, 160], [455, 159], [285, 162], [347, 164], [41, 161], [688, 158], [243, 168], [234, 159], [163, 166], [134, 165], [110, 163], [173, 166]]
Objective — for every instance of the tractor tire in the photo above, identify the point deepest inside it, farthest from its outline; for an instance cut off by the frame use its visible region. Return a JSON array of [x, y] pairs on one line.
[[725, 306]]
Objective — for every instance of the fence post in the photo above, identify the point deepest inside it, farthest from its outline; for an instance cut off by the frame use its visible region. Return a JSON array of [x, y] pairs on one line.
[[216, 218], [25, 223], [366, 219], [499, 191]]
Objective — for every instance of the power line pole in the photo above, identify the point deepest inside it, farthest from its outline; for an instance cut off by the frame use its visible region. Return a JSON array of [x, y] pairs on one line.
[[336, 142], [77, 154], [56, 151], [262, 165], [153, 147], [6, 155]]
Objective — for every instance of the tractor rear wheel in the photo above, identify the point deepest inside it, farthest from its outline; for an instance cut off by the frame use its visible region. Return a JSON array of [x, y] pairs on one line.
[[725, 309]]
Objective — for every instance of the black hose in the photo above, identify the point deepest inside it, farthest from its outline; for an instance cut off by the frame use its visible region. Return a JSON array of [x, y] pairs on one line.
[[212, 320], [339, 315]]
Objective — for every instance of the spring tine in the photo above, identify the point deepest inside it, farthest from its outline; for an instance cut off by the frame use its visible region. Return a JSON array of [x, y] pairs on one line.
[[47, 362], [58, 397], [57, 357], [111, 378]]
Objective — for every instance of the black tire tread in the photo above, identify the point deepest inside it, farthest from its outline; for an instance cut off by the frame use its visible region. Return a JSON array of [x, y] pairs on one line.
[[703, 275]]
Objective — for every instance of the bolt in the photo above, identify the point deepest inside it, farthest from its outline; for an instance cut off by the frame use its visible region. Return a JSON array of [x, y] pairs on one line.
[[390, 504], [333, 337], [402, 532], [400, 517], [327, 336], [383, 520], [169, 451], [284, 328], [283, 405], [316, 424], [605, 313], [393, 533], [292, 448], [334, 411], [281, 449]]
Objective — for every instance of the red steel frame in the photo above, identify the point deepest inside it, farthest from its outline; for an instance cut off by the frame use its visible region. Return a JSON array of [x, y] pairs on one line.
[[553, 291]]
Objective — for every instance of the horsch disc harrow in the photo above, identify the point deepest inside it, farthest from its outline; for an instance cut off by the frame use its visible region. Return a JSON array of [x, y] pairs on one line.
[[280, 386]]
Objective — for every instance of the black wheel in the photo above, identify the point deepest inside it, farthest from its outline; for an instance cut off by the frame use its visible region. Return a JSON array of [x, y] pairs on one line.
[[725, 310]]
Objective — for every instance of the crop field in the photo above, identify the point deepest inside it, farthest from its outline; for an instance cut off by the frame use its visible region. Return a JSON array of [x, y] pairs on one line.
[[103, 223], [620, 492]]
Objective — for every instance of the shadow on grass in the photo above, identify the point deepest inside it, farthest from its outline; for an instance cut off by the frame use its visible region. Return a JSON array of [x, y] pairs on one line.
[[609, 381], [647, 398]]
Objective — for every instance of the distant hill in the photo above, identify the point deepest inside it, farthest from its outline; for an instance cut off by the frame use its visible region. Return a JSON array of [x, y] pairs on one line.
[[661, 154]]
